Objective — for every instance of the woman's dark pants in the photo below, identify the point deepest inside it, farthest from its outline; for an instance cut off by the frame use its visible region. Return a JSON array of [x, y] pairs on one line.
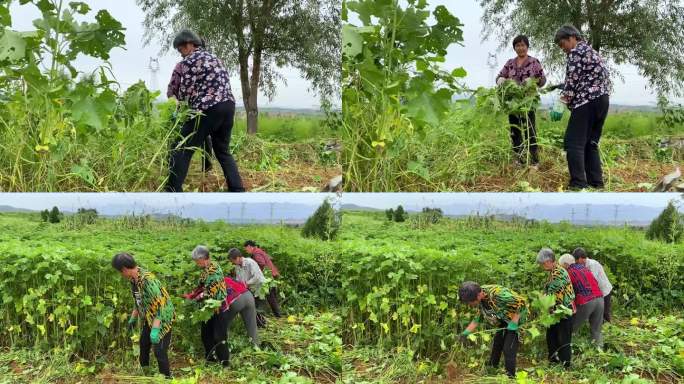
[[214, 335], [524, 135], [160, 351], [582, 143], [507, 342], [216, 122], [559, 341]]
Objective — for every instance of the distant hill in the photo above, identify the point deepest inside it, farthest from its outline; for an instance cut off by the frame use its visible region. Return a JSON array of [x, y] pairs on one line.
[[354, 207], [7, 208]]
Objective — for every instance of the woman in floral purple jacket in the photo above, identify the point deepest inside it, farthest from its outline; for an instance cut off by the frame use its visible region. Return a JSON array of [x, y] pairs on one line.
[[202, 81], [523, 127], [586, 89]]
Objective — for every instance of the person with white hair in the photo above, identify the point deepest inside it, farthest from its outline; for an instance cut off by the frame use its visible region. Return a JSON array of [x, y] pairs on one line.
[[211, 285], [559, 335], [600, 274], [588, 297]]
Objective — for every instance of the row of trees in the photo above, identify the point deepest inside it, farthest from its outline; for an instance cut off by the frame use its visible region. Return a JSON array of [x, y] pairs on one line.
[[83, 215]]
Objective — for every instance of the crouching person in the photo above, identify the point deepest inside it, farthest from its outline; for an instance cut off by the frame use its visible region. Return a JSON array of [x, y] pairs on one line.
[[212, 286], [501, 307], [153, 305]]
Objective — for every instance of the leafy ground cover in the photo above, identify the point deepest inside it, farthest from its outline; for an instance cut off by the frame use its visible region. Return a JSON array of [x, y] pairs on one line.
[[412, 125], [62, 129], [376, 305]]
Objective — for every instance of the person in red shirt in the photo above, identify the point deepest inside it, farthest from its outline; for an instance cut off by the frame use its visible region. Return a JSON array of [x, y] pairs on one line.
[[264, 261], [588, 298]]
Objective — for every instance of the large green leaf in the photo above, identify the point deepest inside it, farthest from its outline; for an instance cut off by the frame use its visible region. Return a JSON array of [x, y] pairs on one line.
[[352, 42], [12, 45], [90, 109]]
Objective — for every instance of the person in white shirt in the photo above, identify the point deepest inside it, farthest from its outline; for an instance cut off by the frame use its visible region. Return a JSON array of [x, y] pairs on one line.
[[247, 271], [597, 270]]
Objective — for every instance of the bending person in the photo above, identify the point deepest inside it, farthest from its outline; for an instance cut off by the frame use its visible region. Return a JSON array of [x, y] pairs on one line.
[[586, 89], [523, 126], [247, 271], [212, 286], [600, 274], [588, 298], [265, 263], [202, 81], [154, 306], [559, 335], [504, 309], [241, 301]]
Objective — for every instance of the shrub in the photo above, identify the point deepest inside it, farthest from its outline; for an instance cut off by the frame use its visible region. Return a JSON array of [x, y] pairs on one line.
[[323, 224], [668, 226]]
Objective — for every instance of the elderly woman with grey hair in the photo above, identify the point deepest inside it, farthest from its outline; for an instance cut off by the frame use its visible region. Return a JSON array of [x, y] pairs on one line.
[[212, 286], [588, 297], [586, 92], [559, 335], [202, 81]]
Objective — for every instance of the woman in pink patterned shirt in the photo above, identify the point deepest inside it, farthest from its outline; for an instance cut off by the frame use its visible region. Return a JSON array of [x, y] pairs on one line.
[[523, 127]]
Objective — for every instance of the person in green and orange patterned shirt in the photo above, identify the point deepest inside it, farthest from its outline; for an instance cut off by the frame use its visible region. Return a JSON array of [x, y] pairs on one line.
[[212, 286], [503, 308], [559, 285], [154, 306]]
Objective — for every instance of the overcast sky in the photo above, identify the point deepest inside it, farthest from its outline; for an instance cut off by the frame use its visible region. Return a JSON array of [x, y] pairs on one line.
[[132, 64], [39, 201], [473, 55]]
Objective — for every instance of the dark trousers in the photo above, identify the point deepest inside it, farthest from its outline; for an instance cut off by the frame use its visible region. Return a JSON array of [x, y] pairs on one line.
[[606, 307], [216, 122], [207, 154], [524, 135], [582, 143], [559, 341], [505, 342], [272, 299], [214, 334], [160, 351]]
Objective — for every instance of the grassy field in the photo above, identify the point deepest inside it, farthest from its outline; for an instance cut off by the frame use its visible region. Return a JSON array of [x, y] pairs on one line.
[[377, 305], [471, 151], [290, 153]]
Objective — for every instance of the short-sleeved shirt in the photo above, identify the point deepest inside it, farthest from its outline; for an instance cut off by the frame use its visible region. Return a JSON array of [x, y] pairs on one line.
[[153, 301], [201, 80], [586, 76], [560, 286], [584, 284], [500, 304], [264, 260], [211, 278], [597, 270], [530, 68]]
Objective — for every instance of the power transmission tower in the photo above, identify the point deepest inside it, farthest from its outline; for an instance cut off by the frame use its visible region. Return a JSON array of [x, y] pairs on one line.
[[154, 69], [492, 63]]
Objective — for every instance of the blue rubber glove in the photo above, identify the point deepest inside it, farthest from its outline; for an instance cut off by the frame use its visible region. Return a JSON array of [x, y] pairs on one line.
[[154, 336], [512, 326]]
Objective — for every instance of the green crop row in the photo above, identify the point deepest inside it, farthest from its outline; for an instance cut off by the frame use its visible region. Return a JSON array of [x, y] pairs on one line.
[[397, 284]]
